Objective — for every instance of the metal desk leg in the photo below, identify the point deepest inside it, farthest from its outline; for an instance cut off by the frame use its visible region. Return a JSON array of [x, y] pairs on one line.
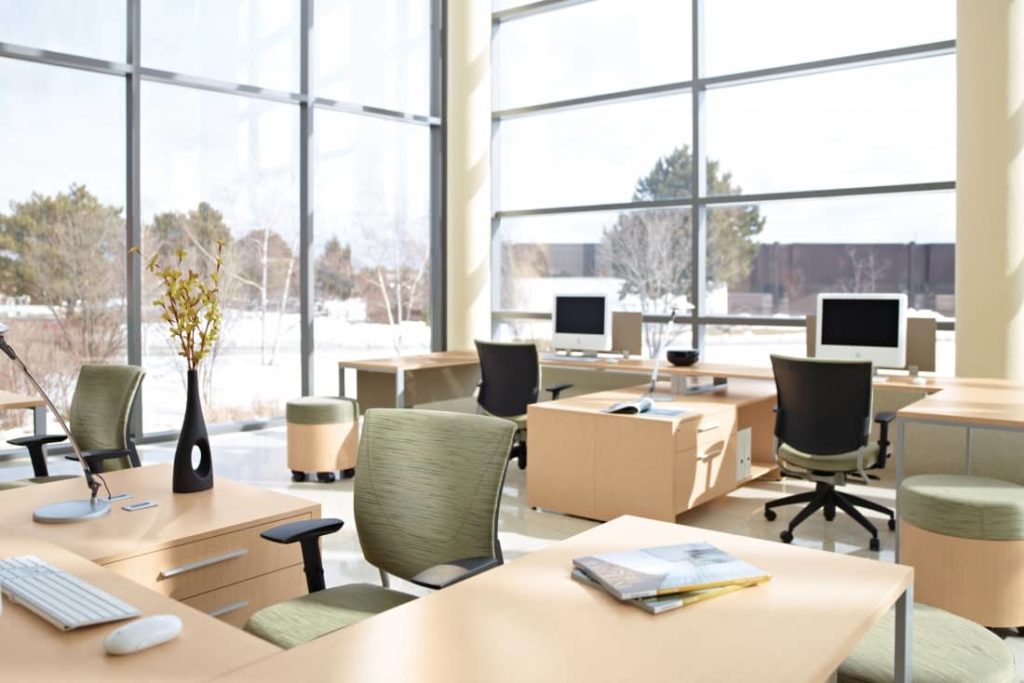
[[901, 428], [341, 381], [904, 635], [400, 388], [970, 449], [39, 420]]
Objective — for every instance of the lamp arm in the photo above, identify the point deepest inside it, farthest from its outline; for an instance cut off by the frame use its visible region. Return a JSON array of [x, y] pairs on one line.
[[94, 486]]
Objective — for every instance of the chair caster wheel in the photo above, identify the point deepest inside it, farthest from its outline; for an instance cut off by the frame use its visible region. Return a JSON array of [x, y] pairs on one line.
[[349, 473], [770, 515], [522, 462], [892, 525], [874, 544], [325, 477], [786, 536], [298, 476], [829, 518]]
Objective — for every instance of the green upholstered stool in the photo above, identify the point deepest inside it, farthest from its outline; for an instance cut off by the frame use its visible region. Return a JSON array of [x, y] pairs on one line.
[[964, 506], [964, 537], [946, 649], [298, 621], [323, 436]]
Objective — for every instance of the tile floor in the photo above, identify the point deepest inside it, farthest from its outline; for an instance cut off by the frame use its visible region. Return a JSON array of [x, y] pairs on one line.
[[259, 458]]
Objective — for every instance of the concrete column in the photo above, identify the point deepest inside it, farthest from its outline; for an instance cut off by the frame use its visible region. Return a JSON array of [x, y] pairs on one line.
[[469, 172], [990, 189]]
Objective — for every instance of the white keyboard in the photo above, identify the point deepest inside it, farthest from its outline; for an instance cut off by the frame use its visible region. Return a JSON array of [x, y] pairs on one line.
[[63, 599], [571, 359]]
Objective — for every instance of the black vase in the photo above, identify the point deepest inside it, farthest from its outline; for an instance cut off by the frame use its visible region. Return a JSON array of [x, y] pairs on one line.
[[189, 479]]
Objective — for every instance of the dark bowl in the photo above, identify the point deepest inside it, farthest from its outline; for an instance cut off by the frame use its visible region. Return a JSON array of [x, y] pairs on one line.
[[682, 357]]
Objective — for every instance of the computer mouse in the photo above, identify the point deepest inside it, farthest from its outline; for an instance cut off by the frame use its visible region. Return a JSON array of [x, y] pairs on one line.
[[142, 634]]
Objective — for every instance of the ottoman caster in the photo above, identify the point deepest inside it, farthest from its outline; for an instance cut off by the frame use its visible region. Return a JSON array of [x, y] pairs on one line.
[[298, 476], [348, 473], [325, 477]]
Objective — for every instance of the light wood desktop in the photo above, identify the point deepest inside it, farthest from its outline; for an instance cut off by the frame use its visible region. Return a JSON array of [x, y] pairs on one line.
[[585, 462], [399, 382], [528, 621], [32, 649], [12, 401], [201, 548]]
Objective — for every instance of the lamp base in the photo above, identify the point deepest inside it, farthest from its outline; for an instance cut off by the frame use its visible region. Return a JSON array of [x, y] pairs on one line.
[[67, 511]]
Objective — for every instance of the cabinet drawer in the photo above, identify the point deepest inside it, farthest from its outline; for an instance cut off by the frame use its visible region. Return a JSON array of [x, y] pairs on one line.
[[237, 602], [193, 568]]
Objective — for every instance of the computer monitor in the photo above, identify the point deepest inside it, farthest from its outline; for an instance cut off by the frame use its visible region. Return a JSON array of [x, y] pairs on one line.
[[863, 327], [583, 322]]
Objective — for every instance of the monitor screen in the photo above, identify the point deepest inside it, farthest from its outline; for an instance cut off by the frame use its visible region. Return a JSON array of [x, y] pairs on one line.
[[860, 322], [579, 315]]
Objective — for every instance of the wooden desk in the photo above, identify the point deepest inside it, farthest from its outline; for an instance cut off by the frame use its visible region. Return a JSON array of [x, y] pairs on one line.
[[11, 401], [585, 462], [406, 381], [528, 621], [201, 548], [32, 649]]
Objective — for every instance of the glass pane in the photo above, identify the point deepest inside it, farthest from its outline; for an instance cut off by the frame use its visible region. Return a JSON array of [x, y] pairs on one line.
[[255, 42], [372, 241], [374, 52], [62, 235], [641, 258], [877, 125], [92, 29], [774, 258], [220, 167], [752, 34], [592, 48], [609, 153]]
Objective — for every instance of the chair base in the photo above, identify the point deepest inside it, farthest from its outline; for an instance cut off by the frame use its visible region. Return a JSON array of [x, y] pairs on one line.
[[825, 497]]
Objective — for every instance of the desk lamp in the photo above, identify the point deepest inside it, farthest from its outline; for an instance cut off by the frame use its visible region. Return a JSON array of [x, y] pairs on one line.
[[67, 510]]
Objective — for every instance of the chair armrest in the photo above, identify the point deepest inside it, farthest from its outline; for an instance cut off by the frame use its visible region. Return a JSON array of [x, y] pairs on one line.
[[883, 420], [37, 439], [307, 533], [36, 446], [557, 389], [443, 575], [301, 531]]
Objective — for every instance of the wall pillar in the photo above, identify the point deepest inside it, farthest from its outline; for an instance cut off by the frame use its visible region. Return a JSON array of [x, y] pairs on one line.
[[469, 172], [990, 189]]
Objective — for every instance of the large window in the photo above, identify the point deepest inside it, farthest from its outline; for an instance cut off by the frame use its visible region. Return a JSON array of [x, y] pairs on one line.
[[826, 136], [177, 124]]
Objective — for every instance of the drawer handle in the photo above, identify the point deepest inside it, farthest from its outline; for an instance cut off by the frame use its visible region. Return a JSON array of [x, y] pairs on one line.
[[706, 428], [712, 454], [228, 608], [199, 564]]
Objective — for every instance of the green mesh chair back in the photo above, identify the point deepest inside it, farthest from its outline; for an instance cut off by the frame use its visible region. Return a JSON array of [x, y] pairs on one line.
[[428, 487], [100, 408]]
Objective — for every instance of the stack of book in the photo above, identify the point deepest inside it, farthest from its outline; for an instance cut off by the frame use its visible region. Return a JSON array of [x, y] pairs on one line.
[[660, 579]]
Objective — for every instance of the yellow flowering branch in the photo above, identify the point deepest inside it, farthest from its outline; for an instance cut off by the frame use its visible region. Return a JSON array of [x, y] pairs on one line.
[[189, 304]]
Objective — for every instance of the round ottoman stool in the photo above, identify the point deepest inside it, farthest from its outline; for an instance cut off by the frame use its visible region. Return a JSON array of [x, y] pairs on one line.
[[964, 537], [323, 436], [946, 648]]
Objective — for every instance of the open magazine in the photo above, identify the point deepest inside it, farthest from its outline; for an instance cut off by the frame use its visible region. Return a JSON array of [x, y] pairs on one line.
[[631, 574], [641, 405]]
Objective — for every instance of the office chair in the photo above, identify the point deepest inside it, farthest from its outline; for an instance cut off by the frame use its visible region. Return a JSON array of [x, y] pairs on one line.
[[427, 492], [509, 380], [822, 424], [98, 419]]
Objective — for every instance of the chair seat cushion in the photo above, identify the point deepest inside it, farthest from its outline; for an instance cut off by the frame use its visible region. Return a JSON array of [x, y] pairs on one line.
[[843, 462], [301, 620], [946, 649], [316, 410], [964, 506]]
